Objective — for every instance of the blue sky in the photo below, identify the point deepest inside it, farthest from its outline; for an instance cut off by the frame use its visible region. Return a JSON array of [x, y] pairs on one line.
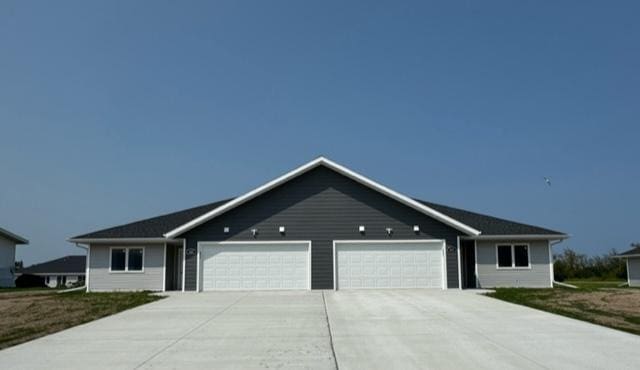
[[116, 111]]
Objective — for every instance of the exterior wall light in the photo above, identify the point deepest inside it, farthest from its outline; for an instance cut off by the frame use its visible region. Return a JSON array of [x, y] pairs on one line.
[[361, 229], [389, 231], [281, 229], [226, 229], [416, 228], [254, 232]]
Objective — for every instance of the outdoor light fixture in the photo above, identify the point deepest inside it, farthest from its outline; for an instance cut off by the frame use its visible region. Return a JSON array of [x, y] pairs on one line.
[[416, 228], [226, 229], [254, 232], [281, 229], [361, 229], [389, 231]]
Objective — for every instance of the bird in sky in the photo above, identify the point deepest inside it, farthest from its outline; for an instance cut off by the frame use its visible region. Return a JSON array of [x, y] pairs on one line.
[[547, 180]]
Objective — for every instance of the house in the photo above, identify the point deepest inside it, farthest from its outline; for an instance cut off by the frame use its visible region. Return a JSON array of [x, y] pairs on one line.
[[64, 271], [632, 258], [8, 242], [319, 226]]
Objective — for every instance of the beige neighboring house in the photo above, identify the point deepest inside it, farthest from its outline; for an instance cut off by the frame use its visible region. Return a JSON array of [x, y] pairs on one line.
[[8, 242]]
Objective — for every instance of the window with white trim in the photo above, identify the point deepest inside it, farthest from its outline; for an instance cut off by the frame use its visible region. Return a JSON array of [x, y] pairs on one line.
[[512, 256], [127, 259]]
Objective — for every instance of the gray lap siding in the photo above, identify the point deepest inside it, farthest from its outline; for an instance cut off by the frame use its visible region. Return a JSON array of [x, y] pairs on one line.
[[634, 271], [321, 206]]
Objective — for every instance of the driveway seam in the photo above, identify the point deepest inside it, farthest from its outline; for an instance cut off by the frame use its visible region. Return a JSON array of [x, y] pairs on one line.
[[326, 315], [419, 307], [190, 331]]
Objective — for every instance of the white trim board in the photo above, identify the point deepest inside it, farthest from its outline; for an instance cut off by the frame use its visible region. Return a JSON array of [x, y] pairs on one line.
[[8, 234], [201, 244], [322, 161], [517, 237], [387, 241]]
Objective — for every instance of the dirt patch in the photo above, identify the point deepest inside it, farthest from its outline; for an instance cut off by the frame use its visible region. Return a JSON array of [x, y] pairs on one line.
[[617, 308]]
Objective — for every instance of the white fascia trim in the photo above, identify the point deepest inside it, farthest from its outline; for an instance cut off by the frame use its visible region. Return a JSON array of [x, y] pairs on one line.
[[11, 235], [627, 256], [122, 240], [517, 237], [338, 168]]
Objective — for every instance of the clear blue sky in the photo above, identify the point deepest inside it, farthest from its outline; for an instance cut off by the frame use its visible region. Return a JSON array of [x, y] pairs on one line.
[[115, 111]]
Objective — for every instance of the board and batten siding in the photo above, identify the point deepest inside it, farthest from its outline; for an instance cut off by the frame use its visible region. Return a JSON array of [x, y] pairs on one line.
[[489, 276], [321, 206], [100, 279], [633, 265]]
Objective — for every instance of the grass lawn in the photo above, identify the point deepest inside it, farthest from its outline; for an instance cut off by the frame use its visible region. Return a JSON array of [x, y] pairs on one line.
[[26, 314], [599, 302]]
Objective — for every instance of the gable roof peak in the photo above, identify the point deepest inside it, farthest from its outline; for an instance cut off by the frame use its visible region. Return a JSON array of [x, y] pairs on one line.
[[335, 167]]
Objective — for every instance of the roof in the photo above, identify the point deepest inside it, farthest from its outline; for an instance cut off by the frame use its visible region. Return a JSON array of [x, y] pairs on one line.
[[490, 225], [156, 227], [13, 237], [635, 251], [64, 265], [322, 161]]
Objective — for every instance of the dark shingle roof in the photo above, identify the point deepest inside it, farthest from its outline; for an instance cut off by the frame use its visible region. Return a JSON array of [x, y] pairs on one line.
[[489, 225], [153, 227], [64, 265], [631, 252], [157, 226]]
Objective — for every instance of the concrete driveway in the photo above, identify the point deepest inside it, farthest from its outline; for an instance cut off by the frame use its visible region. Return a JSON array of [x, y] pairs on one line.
[[351, 330]]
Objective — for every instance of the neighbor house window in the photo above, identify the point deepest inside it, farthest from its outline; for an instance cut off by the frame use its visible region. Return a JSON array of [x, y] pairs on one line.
[[129, 259], [512, 256]]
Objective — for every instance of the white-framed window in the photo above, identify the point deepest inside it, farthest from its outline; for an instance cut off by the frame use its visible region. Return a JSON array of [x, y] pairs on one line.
[[126, 259], [513, 256]]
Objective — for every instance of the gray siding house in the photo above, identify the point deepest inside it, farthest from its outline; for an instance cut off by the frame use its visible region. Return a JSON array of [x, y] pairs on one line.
[[319, 226], [8, 243], [632, 257]]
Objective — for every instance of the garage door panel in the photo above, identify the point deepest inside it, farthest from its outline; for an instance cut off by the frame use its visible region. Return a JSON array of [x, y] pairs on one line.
[[254, 266], [389, 265]]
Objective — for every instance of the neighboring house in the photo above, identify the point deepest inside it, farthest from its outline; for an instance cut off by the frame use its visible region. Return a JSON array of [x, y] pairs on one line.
[[64, 271], [632, 258], [320, 226], [8, 242]]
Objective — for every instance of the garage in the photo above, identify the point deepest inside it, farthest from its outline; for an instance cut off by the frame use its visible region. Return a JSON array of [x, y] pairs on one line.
[[254, 266], [384, 264]]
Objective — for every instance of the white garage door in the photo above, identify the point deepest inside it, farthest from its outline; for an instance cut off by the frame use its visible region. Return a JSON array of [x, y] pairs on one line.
[[256, 266], [389, 265]]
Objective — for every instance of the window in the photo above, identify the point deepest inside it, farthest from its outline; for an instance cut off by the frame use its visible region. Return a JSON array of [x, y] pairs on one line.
[[127, 259], [512, 256], [135, 259], [504, 256], [521, 256], [118, 258]]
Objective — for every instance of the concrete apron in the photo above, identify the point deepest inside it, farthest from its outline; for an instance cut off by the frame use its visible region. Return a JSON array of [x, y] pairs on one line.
[[383, 329]]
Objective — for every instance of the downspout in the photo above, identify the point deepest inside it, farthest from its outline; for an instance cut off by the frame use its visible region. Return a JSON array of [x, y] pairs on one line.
[[86, 269], [551, 244]]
